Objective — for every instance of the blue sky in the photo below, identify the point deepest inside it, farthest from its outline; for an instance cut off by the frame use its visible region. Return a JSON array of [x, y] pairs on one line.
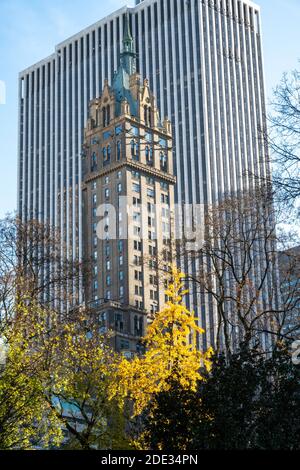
[[29, 30]]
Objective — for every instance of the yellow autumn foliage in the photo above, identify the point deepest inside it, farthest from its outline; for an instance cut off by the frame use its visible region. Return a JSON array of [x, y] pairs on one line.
[[56, 369], [171, 352], [26, 420]]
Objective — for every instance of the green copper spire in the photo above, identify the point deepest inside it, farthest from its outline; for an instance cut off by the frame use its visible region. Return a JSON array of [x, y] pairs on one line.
[[127, 67], [127, 38], [128, 55]]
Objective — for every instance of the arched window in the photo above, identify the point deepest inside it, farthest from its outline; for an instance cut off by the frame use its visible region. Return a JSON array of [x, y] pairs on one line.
[[105, 115], [94, 162], [149, 117], [163, 162], [106, 154], [146, 114], [132, 144], [118, 150], [135, 324], [141, 326], [149, 155], [134, 149]]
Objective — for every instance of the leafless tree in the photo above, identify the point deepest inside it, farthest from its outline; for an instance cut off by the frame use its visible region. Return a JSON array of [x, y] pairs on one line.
[[282, 139], [289, 263], [238, 271], [34, 263]]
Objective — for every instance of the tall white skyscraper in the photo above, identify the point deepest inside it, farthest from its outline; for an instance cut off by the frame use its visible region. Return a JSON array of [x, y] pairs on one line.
[[204, 62]]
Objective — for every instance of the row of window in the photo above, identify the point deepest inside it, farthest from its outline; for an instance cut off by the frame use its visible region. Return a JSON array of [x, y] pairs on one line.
[[138, 290], [138, 247], [107, 248], [107, 191], [121, 259], [106, 156], [163, 157], [108, 291], [136, 188], [108, 294]]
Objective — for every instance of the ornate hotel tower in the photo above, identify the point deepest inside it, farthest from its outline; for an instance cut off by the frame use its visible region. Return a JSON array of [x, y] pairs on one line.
[[128, 195]]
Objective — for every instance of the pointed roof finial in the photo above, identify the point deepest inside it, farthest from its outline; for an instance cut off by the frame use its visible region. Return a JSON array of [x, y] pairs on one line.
[[128, 55], [127, 33]]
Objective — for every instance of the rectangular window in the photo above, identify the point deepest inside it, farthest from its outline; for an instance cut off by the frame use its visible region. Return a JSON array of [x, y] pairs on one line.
[[118, 129], [102, 317], [106, 135], [165, 199], [135, 175], [136, 216], [152, 250], [136, 201], [136, 187], [134, 130], [150, 181], [138, 275], [137, 245], [163, 142], [148, 136], [137, 260], [124, 344], [94, 140]]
